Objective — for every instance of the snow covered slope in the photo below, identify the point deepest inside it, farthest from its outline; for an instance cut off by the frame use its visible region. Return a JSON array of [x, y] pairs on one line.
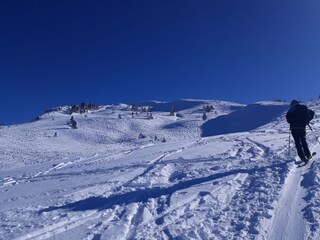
[[101, 181], [245, 119]]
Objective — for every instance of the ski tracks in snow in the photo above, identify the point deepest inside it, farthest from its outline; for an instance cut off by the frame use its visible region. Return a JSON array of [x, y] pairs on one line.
[[228, 191], [126, 218], [296, 214]]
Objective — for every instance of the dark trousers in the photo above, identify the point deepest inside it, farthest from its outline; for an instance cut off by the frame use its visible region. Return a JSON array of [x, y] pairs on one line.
[[299, 136]]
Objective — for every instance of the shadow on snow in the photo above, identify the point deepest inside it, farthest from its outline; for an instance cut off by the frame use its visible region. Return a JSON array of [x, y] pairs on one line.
[[143, 195], [243, 120]]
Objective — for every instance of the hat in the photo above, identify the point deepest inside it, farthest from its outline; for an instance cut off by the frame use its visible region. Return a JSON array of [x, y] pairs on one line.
[[294, 103]]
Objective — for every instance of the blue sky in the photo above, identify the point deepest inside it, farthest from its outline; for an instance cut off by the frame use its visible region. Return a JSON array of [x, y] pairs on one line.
[[56, 52]]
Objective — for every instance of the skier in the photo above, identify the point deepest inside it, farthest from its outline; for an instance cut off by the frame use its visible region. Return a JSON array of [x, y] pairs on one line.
[[299, 116]]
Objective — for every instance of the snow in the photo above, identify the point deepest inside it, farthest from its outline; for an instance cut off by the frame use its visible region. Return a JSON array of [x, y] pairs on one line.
[[101, 181], [245, 119]]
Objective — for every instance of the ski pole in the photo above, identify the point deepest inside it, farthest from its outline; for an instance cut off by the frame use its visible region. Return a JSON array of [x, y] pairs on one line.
[[314, 134], [289, 145]]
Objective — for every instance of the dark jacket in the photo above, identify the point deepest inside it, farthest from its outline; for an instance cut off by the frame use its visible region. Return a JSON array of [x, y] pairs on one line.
[[299, 116]]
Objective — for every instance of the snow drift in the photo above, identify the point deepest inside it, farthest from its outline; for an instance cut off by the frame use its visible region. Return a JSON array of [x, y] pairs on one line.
[[245, 119]]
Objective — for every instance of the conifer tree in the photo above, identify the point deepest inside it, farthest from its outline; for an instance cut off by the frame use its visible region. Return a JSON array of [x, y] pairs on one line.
[[173, 111], [204, 116], [73, 123]]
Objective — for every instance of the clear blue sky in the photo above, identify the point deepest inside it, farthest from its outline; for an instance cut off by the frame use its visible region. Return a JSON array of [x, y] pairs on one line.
[[62, 52]]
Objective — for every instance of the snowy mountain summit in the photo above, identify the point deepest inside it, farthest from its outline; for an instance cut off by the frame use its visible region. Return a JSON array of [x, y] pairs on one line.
[[187, 169]]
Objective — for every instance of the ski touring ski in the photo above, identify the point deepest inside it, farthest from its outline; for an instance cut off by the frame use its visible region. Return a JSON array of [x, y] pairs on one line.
[[302, 163]]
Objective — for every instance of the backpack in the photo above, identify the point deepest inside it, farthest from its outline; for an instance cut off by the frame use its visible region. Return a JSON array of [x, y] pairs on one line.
[[310, 115]]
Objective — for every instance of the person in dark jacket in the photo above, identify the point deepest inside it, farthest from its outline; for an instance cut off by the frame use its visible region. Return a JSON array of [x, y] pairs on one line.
[[299, 116]]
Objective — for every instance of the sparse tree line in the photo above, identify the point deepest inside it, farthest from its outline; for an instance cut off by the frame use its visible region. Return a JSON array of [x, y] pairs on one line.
[[133, 114], [83, 108], [136, 111], [208, 108], [155, 139], [140, 109]]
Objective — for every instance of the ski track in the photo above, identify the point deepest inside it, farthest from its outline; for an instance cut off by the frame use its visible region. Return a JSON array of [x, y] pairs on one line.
[[60, 226], [295, 216], [244, 179]]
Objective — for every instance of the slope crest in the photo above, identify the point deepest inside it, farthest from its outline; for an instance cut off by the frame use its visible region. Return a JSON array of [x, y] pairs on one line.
[[183, 104]]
